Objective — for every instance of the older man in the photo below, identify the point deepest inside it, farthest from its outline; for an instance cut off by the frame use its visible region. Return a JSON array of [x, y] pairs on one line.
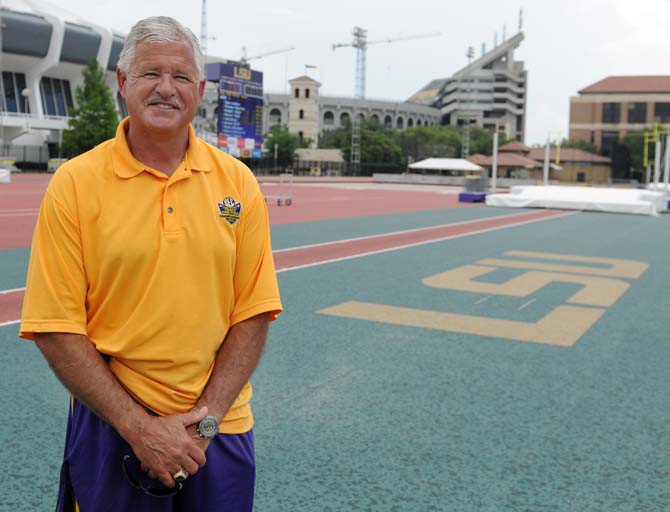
[[149, 292]]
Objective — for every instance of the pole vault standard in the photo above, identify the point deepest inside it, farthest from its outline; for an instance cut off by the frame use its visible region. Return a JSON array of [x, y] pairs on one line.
[[494, 167], [657, 163], [545, 170]]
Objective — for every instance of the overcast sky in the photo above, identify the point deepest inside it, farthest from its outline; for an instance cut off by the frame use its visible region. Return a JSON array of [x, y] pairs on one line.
[[568, 44]]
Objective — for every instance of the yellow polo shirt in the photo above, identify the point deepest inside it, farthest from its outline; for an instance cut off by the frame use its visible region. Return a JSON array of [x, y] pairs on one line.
[[154, 270]]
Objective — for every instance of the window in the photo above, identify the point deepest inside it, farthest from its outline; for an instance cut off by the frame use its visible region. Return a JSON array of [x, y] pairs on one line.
[[344, 119], [399, 124], [662, 113], [56, 96], [301, 114], [609, 140], [637, 112], [297, 92], [410, 123], [388, 122], [328, 119], [11, 99], [611, 112], [275, 116], [306, 93]]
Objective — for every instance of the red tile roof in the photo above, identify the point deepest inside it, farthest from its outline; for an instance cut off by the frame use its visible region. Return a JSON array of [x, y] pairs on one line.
[[568, 155], [505, 160], [514, 145], [629, 84]]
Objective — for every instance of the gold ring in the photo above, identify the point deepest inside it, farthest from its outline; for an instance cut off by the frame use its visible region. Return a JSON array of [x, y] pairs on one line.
[[182, 474]]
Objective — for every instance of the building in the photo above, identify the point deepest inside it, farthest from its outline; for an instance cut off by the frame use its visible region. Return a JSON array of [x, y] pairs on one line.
[[322, 113], [567, 165], [44, 50], [489, 92], [607, 110]]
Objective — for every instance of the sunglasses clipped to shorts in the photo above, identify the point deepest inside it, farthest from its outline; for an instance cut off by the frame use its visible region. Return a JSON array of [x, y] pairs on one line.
[[159, 492]]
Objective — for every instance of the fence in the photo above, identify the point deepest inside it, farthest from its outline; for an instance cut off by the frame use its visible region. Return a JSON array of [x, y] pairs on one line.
[[33, 158]]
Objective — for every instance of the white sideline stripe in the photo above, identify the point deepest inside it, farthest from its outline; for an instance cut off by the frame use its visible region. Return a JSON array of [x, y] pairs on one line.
[[380, 251], [12, 290], [425, 242], [392, 233]]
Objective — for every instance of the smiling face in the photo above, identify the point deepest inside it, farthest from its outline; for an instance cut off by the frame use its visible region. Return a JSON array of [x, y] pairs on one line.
[[162, 90]]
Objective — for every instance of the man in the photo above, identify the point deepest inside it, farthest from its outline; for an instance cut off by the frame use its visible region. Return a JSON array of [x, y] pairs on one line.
[[149, 292]]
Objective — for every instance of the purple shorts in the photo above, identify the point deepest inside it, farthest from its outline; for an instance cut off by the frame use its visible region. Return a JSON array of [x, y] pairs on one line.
[[94, 476]]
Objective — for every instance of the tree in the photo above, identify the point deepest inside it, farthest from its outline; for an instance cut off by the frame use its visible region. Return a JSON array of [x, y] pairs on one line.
[[577, 144], [94, 119], [286, 142], [378, 144]]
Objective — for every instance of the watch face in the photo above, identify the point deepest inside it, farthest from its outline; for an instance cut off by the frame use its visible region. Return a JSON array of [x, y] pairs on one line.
[[208, 427]]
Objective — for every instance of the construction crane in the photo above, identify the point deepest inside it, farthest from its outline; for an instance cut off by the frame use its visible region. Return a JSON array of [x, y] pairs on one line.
[[245, 58], [361, 43]]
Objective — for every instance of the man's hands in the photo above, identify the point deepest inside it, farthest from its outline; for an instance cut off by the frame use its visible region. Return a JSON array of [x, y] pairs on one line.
[[165, 444]]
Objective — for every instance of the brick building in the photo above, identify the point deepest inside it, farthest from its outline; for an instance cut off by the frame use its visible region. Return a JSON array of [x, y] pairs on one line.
[[606, 110]]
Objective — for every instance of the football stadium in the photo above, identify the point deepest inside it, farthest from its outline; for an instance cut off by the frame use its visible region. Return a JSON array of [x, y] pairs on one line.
[[434, 354]]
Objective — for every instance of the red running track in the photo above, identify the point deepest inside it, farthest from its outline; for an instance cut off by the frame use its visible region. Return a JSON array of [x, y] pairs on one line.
[[20, 200], [286, 259]]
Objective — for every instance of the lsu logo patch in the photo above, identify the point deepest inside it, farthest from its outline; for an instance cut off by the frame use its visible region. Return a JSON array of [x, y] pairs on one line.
[[230, 210]]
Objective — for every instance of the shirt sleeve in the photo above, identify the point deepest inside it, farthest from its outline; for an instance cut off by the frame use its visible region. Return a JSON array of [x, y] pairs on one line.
[[255, 279], [55, 297]]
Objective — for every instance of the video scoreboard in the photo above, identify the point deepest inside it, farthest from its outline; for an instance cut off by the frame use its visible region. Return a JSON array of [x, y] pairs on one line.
[[240, 119]]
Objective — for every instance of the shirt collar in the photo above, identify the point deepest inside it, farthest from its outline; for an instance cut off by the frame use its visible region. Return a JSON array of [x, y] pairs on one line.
[[127, 166]]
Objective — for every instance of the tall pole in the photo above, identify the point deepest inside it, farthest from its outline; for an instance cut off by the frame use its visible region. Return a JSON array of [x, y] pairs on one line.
[[657, 163], [203, 28], [545, 170], [361, 45], [494, 169], [666, 173]]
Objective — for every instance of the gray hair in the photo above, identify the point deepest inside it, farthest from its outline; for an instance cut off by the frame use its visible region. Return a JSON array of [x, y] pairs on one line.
[[160, 29]]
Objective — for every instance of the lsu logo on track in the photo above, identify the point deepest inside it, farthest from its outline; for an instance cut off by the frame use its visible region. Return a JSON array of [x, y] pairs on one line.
[[230, 210]]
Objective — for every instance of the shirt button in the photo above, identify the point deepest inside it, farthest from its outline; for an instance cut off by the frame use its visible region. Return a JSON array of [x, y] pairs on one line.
[[170, 209]]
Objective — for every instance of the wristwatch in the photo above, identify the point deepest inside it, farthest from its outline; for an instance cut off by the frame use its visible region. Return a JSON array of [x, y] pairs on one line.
[[208, 427]]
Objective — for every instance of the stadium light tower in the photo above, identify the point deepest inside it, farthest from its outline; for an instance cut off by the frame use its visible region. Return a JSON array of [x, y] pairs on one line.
[[361, 43]]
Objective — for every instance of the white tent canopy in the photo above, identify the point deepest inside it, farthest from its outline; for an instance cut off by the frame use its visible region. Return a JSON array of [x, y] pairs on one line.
[[446, 164]]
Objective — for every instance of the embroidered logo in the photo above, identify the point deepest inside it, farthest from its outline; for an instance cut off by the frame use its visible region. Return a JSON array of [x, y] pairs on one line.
[[230, 210]]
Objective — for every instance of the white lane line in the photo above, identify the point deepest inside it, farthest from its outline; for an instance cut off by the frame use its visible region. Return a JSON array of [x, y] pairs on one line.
[[401, 232], [11, 322], [526, 304], [425, 242], [480, 301], [12, 290]]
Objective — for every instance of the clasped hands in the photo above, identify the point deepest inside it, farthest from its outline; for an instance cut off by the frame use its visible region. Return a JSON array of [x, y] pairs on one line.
[[166, 445]]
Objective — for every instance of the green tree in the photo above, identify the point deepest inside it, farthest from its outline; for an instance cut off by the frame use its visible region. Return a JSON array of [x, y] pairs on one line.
[[378, 144], [286, 142], [578, 144], [94, 119], [634, 141]]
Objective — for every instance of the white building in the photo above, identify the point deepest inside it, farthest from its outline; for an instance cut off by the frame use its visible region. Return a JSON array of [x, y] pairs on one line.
[[489, 92], [44, 50]]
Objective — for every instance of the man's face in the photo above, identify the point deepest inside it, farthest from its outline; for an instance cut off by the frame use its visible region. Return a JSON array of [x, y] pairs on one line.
[[162, 90]]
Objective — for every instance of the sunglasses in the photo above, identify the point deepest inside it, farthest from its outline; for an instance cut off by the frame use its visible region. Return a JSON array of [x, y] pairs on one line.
[[159, 492]]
